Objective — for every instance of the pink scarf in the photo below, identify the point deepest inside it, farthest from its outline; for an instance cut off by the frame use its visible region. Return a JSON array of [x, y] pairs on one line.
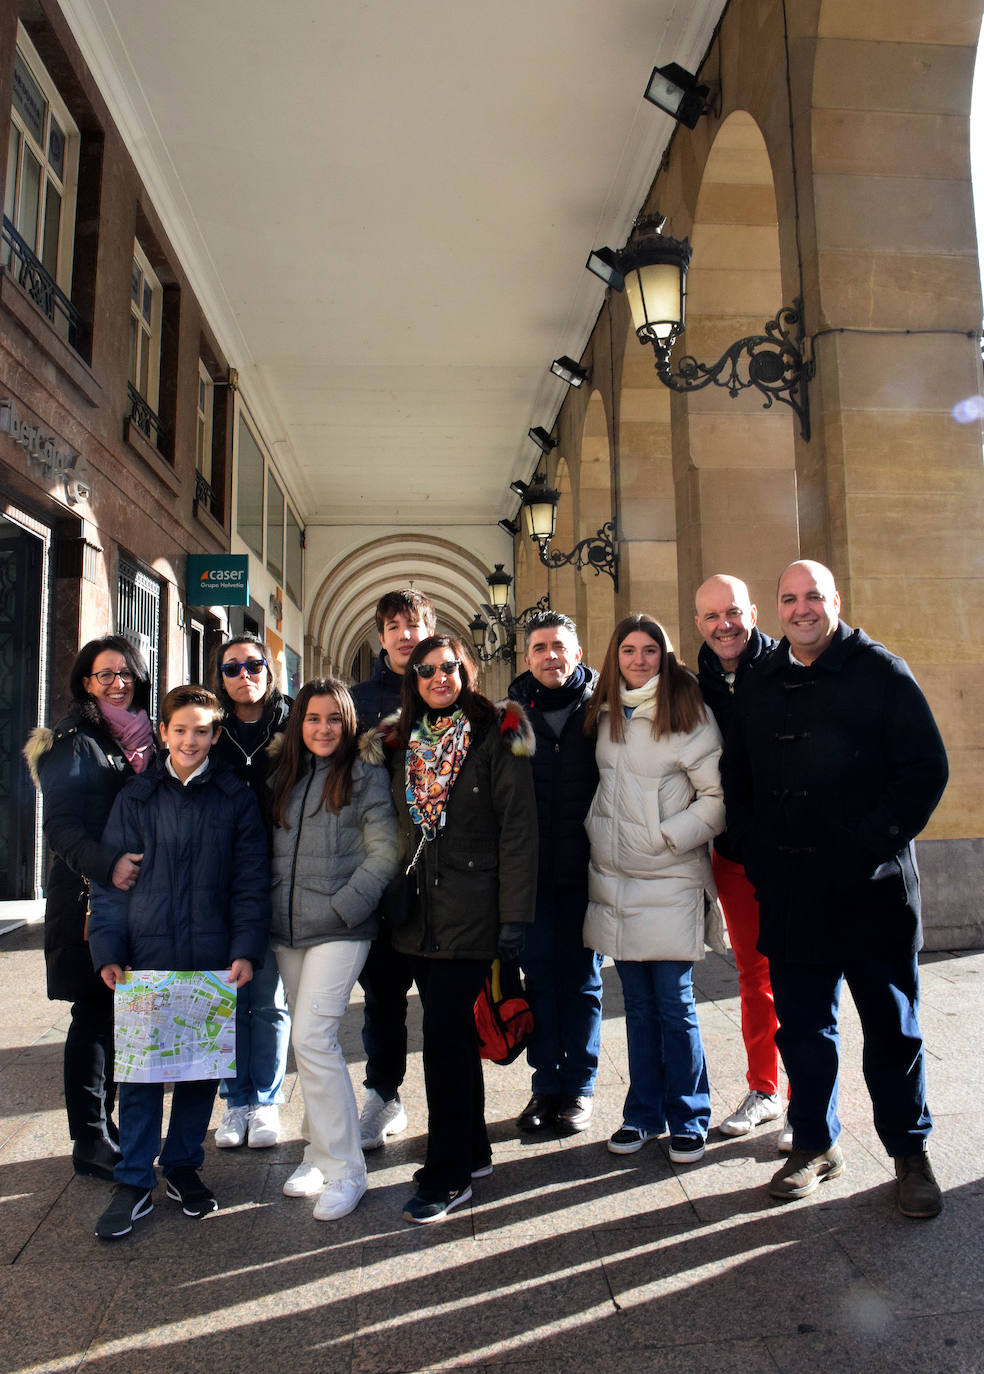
[[132, 731]]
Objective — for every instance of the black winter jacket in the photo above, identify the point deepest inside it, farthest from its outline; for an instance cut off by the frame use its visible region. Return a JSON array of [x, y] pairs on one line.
[[829, 774], [565, 776], [254, 766], [203, 895], [379, 695], [719, 696], [480, 871], [79, 768]]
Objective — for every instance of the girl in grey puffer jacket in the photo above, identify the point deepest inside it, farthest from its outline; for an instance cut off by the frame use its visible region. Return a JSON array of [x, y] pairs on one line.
[[334, 851]]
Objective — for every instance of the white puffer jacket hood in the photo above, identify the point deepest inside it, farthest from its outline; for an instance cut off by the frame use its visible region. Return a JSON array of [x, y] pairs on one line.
[[659, 802]]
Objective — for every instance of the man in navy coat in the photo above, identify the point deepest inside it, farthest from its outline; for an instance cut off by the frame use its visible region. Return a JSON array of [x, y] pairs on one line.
[[832, 766]]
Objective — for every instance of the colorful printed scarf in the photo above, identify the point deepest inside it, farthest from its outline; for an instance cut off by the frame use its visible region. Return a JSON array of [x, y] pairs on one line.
[[434, 758]]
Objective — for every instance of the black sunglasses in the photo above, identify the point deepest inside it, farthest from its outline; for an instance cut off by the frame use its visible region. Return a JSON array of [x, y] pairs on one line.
[[253, 666], [426, 670]]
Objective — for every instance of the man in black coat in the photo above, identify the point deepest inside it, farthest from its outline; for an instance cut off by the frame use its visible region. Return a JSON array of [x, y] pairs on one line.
[[732, 644], [832, 766], [563, 979], [403, 618]]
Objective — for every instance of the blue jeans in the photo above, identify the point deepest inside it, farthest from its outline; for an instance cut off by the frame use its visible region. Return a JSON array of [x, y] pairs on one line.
[[141, 1109], [262, 1037], [563, 984], [886, 994], [668, 1084]]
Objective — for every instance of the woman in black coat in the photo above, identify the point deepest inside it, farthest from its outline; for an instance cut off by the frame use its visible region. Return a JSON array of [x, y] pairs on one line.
[[79, 767], [464, 799]]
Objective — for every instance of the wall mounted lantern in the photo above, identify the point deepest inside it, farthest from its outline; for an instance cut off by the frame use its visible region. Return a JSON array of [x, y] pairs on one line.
[[599, 552], [654, 270], [504, 625], [569, 371], [675, 91]]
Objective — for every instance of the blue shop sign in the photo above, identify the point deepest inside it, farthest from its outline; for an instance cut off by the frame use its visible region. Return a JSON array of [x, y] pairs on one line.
[[218, 579]]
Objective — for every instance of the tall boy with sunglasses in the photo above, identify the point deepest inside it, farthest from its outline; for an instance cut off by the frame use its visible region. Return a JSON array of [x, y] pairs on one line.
[[255, 711]]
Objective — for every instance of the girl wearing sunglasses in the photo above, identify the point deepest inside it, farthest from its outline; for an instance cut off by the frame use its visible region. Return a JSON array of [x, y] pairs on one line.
[[463, 790], [255, 713]]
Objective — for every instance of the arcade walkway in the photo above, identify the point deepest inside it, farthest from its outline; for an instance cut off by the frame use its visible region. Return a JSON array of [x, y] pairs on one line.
[[570, 1259]]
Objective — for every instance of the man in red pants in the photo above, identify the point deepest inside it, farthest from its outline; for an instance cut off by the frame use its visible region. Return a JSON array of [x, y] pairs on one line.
[[732, 643]]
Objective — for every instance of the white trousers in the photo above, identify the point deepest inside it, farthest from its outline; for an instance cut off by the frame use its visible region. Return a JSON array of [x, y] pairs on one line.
[[319, 980]]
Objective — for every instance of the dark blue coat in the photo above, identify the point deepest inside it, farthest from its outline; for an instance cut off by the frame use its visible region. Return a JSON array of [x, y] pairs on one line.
[[203, 895], [829, 774], [379, 696], [565, 776], [719, 696]]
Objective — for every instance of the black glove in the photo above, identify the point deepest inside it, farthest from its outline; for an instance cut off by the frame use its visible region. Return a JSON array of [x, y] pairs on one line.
[[512, 938]]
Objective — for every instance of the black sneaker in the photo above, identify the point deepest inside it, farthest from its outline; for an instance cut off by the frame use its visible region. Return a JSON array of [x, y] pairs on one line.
[[426, 1207], [184, 1186], [686, 1149], [128, 1204]]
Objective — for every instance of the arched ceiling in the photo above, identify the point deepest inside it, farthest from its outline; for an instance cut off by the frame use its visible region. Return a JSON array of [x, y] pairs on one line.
[[385, 210], [342, 611]]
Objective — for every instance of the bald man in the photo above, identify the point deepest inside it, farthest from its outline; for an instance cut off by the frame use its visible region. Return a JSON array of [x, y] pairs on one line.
[[726, 619], [833, 765]]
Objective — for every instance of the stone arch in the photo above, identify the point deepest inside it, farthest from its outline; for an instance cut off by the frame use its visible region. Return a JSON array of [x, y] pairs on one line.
[[593, 508], [736, 475], [342, 613], [562, 582]]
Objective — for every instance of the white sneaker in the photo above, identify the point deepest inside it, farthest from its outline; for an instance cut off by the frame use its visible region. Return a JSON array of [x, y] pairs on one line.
[[341, 1196], [264, 1127], [232, 1128], [379, 1120], [785, 1142], [756, 1109], [305, 1181]]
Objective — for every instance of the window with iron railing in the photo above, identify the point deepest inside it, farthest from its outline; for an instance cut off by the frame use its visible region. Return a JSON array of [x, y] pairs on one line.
[[39, 193]]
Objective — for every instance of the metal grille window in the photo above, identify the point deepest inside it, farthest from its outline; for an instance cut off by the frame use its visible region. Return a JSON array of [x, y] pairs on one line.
[[138, 619]]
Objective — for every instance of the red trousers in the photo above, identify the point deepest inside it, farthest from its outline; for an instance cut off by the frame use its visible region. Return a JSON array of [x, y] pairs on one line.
[[758, 1014]]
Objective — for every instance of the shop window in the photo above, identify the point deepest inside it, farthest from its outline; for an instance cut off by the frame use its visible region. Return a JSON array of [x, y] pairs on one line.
[[38, 236], [249, 490], [275, 530], [293, 573]]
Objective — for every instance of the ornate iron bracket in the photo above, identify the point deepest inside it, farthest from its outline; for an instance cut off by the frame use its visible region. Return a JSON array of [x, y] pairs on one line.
[[772, 362], [599, 553], [506, 626]]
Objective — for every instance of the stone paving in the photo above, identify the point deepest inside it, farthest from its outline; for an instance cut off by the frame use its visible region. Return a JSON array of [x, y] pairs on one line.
[[568, 1259]]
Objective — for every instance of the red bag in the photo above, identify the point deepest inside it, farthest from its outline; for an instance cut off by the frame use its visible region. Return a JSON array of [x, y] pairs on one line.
[[502, 1014]]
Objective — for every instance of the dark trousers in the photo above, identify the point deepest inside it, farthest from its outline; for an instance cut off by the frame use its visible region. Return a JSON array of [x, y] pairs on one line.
[[563, 984], [141, 1114], [886, 994], [385, 978], [90, 1091], [457, 1139]]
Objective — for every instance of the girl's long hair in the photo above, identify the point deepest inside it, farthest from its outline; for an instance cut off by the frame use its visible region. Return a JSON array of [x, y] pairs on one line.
[[295, 759], [679, 704], [477, 708]]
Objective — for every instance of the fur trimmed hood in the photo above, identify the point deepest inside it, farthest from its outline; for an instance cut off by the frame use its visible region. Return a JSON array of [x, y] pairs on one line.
[[515, 731], [41, 739]]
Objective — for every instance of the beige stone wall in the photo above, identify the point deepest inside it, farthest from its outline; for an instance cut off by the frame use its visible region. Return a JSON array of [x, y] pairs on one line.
[[836, 168]]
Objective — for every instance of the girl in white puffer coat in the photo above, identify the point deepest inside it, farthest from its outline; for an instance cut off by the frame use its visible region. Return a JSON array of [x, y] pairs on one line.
[[659, 803]]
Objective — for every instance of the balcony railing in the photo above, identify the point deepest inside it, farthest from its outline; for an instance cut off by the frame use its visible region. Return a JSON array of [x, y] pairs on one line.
[[145, 420], [205, 495], [34, 278]]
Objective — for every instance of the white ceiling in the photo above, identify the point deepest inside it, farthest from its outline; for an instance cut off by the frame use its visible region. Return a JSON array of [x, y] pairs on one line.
[[385, 209]]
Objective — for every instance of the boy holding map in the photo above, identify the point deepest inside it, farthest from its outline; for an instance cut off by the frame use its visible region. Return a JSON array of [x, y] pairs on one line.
[[201, 901]]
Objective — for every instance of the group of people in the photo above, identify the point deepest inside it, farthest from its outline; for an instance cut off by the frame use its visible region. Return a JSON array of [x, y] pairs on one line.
[[409, 830]]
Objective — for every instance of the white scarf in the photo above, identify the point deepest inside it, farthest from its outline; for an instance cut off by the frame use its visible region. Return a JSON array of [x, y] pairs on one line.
[[639, 696]]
